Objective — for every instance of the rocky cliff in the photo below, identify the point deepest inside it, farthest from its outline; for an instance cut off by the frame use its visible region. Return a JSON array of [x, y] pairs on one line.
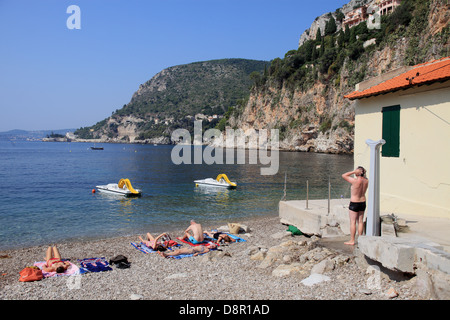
[[305, 100]]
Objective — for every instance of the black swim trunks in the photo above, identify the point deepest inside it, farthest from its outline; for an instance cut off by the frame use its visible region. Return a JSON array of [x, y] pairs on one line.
[[357, 206]]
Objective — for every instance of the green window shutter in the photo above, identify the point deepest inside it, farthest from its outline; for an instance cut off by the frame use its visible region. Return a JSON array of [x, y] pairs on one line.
[[391, 131]]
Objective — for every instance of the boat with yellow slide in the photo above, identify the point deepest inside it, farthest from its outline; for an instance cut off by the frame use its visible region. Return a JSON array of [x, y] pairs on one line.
[[124, 188], [221, 181]]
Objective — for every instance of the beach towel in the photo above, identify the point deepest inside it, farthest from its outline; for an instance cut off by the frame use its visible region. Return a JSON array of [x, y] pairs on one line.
[[143, 248], [181, 256], [238, 239], [72, 270], [94, 265], [204, 243]]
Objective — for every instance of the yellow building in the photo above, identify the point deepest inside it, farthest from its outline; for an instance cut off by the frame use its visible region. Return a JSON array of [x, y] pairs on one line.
[[410, 110]]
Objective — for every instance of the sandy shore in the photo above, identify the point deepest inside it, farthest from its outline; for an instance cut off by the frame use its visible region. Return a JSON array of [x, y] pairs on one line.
[[270, 265]]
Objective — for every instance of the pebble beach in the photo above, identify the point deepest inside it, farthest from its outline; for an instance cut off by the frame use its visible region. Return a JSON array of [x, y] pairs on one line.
[[272, 264]]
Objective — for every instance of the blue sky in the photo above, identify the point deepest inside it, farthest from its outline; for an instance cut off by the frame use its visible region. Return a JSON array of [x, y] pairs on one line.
[[52, 77]]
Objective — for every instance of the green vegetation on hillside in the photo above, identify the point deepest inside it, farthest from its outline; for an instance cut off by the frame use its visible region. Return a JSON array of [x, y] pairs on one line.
[[180, 92], [323, 57]]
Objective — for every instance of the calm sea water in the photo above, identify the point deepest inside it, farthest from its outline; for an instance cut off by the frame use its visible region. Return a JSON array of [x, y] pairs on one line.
[[47, 190]]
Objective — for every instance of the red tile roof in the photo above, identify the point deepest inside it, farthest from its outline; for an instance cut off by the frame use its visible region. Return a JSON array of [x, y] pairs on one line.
[[425, 73]]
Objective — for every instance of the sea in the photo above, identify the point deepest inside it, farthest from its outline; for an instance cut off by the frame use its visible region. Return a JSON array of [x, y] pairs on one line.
[[47, 190]]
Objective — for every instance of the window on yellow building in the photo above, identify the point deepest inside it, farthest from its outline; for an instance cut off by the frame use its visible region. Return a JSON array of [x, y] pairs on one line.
[[391, 131]]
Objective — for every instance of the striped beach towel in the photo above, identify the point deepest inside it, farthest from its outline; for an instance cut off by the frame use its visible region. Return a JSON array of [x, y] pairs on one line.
[[142, 247], [94, 265]]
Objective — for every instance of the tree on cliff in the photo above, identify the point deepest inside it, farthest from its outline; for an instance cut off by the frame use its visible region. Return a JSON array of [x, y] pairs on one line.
[[330, 26]]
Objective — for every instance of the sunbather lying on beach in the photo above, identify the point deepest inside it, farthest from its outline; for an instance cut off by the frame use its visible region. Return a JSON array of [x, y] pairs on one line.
[[153, 243], [54, 262], [220, 236], [191, 250]]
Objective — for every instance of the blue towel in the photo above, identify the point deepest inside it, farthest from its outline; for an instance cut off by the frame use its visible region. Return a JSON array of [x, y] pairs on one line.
[[94, 265], [187, 255], [236, 238], [142, 247]]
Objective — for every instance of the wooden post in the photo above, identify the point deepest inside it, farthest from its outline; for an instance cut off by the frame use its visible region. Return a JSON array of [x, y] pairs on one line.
[[329, 194], [307, 193]]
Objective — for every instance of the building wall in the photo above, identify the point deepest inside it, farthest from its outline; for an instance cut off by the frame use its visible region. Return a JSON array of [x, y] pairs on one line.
[[388, 6], [418, 181]]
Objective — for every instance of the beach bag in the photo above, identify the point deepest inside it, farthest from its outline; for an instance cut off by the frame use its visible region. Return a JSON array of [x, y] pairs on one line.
[[29, 274], [234, 227], [120, 262]]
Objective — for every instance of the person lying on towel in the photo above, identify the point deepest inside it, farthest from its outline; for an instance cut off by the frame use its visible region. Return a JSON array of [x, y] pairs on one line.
[[153, 243], [54, 262], [219, 237], [191, 250]]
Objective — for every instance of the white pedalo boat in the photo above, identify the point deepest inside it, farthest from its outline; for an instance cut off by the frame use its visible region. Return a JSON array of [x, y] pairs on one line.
[[124, 188], [221, 181]]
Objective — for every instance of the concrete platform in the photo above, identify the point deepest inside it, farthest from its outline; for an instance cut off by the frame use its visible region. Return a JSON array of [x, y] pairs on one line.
[[313, 218], [425, 244], [433, 229]]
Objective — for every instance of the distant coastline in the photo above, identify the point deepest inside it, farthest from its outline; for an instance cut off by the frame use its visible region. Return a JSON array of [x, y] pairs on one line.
[[32, 135]]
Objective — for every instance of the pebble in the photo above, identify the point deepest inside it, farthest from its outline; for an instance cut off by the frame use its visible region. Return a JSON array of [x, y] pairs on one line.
[[314, 279], [391, 293], [365, 291]]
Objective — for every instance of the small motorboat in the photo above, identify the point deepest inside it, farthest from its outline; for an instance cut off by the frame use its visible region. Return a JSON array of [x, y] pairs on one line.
[[124, 188], [96, 148], [221, 181]]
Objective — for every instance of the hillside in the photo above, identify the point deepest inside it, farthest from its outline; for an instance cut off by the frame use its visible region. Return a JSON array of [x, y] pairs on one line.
[[302, 94], [174, 97]]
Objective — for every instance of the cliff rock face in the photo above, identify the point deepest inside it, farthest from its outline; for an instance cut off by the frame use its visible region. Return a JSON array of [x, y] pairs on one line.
[[298, 117]]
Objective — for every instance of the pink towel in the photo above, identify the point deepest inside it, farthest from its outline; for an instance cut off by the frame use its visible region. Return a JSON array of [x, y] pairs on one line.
[[72, 270]]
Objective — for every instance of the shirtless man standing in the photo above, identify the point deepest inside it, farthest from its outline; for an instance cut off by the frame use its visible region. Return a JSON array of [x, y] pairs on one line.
[[357, 201], [197, 233]]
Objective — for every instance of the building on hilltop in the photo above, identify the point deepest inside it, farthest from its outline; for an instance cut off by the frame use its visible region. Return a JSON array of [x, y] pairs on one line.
[[355, 17], [360, 14], [388, 6]]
